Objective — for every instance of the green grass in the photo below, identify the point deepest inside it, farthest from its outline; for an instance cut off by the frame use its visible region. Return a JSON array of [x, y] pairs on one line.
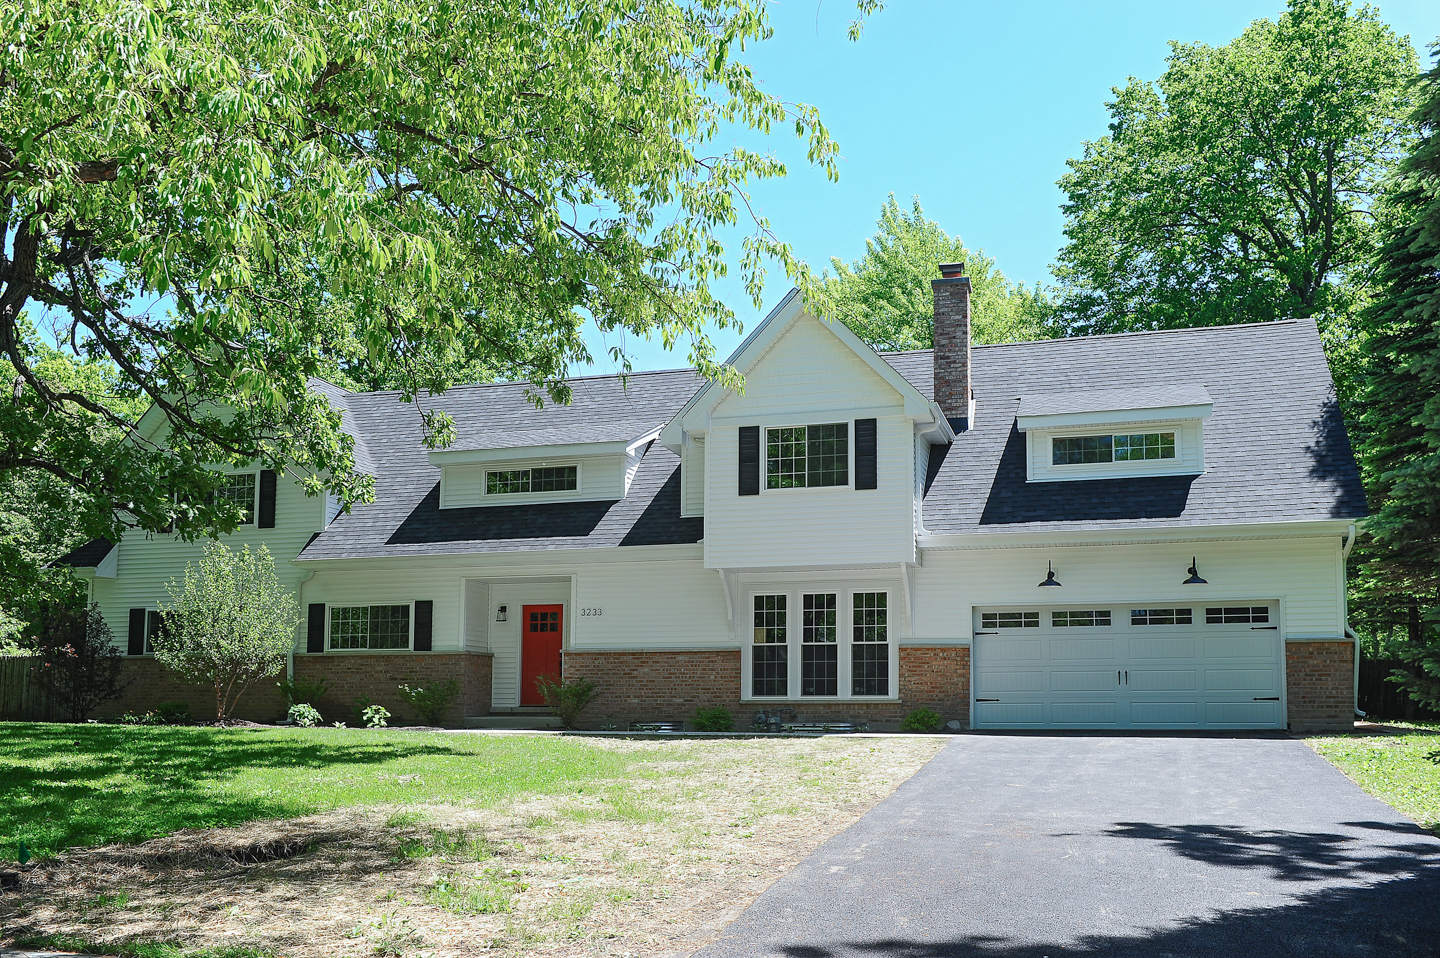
[[1402, 769], [139, 949], [68, 785]]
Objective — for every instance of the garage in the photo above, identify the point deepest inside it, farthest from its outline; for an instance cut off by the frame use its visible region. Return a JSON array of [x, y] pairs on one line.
[[1211, 666]]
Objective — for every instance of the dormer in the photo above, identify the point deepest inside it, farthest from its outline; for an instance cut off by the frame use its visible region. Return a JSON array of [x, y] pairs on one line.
[[555, 472], [1115, 433]]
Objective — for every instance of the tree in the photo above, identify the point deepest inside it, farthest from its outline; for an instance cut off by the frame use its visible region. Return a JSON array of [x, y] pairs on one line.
[[224, 198], [885, 295], [1243, 186], [229, 625], [80, 667], [1399, 404]]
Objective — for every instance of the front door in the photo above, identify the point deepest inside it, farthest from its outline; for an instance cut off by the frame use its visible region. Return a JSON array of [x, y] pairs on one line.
[[539, 649]]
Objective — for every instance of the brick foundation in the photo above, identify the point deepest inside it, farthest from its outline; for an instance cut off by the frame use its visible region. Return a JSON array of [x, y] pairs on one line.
[[1320, 688], [670, 686], [349, 675], [151, 684]]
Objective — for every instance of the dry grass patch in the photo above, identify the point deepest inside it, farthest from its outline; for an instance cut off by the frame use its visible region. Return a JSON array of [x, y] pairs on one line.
[[656, 861]]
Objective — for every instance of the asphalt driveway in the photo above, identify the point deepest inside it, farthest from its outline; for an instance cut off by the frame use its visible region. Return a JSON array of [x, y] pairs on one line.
[[1077, 845]]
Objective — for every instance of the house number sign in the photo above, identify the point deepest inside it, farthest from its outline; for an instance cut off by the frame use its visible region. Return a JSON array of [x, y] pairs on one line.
[[592, 611]]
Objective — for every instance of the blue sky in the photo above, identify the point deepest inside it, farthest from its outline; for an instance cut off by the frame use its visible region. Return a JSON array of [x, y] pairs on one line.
[[974, 107]]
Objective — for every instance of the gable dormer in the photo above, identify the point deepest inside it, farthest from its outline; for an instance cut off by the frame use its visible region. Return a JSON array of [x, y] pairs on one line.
[[555, 472]]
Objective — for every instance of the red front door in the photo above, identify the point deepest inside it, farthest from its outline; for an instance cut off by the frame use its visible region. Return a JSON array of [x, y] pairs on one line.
[[539, 649]]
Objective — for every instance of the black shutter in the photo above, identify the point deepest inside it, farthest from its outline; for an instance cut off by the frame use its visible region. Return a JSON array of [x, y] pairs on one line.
[[267, 499], [865, 465], [424, 618], [315, 630], [749, 460], [137, 632]]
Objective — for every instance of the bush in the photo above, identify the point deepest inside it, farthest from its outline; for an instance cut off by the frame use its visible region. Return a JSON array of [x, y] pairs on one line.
[[79, 668], [716, 719], [139, 718], [173, 713], [566, 699], [303, 691], [431, 701], [375, 716], [921, 720], [304, 716]]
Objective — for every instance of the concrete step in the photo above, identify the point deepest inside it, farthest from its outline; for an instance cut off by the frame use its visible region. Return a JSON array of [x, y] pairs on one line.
[[521, 721]]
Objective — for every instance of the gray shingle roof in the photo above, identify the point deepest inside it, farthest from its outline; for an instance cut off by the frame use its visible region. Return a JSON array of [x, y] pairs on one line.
[[1275, 448], [87, 556], [1113, 400]]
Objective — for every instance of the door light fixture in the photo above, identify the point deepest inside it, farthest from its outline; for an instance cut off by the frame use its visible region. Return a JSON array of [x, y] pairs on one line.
[[1049, 576], [1194, 574], [500, 613]]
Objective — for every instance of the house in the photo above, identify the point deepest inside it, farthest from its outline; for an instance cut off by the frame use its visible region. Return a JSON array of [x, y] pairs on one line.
[[1145, 530]]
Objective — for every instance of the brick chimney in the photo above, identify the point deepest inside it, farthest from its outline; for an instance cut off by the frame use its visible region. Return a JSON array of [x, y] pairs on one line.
[[952, 343]]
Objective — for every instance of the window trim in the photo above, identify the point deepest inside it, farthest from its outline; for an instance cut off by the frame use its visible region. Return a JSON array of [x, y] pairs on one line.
[[331, 650], [522, 497], [844, 641], [849, 482], [1189, 451]]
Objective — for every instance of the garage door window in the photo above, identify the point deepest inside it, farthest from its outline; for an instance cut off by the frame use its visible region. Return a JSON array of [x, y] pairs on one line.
[[1237, 614], [1159, 616], [1010, 620], [1084, 617], [771, 673]]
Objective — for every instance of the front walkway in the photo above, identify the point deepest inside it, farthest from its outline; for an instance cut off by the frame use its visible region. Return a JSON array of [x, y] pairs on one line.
[[1006, 846]]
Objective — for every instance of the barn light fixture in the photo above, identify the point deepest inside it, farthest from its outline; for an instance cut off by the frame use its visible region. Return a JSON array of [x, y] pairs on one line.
[[1049, 576], [500, 614], [1194, 574]]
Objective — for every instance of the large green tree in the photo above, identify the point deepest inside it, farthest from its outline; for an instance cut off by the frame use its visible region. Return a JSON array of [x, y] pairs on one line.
[[1242, 186], [225, 197], [1399, 404], [885, 295]]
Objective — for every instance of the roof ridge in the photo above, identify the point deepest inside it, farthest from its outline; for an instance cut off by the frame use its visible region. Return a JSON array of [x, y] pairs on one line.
[[522, 382], [1293, 321]]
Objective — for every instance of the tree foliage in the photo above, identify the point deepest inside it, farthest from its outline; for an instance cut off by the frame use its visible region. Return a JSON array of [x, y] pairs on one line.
[[79, 666], [229, 625], [885, 295], [1244, 184], [1399, 402], [224, 198]]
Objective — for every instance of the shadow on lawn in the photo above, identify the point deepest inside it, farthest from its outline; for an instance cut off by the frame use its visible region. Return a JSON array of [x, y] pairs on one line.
[[67, 785]]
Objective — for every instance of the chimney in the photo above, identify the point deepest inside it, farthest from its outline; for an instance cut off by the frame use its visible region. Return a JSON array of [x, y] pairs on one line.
[[952, 344]]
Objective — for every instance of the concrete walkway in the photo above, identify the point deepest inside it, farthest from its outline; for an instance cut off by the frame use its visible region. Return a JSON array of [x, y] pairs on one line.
[[1025, 846]]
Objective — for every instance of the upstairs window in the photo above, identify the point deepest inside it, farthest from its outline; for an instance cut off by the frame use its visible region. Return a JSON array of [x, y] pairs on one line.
[[538, 479], [239, 489], [802, 456], [1079, 450]]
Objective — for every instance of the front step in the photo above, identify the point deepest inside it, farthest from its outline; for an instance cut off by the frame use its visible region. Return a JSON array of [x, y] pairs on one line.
[[521, 721]]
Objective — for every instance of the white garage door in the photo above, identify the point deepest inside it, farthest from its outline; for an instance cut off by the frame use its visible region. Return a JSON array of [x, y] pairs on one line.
[[1136, 666]]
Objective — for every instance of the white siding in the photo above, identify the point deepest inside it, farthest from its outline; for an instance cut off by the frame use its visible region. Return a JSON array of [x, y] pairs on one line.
[[477, 616], [675, 604], [1302, 573], [692, 478]]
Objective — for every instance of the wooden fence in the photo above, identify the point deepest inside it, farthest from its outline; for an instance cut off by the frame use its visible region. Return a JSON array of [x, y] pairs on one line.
[[20, 698], [1386, 700]]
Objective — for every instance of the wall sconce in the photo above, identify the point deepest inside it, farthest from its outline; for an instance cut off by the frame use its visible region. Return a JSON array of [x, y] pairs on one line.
[[1049, 576], [1194, 574], [500, 613]]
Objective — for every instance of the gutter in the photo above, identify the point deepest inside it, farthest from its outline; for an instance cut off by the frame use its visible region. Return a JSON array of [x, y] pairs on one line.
[[1345, 598]]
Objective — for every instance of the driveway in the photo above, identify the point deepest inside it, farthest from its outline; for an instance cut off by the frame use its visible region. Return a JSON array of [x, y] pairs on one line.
[[1086, 845]]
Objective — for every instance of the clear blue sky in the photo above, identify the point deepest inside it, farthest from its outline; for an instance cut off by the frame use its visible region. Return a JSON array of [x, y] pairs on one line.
[[974, 107]]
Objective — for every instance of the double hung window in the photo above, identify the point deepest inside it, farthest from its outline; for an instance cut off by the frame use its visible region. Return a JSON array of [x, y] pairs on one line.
[[239, 489], [819, 653], [836, 659], [870, 644], [379, 627], [770, 674], [805, 456]]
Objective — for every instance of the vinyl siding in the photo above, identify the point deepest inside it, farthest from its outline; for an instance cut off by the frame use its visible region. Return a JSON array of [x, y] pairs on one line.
[[674, 604], [692, 478]]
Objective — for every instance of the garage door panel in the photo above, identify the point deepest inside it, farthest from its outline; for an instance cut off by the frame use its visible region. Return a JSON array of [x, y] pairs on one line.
[[1162, 680], [1242, 714], [993, 682], [1164, 713], [1010, 714], [1007, 649], [1072, 680], [1166, 647], [1246, 680], [1083, 650], [1261, 645], [1088, 714]]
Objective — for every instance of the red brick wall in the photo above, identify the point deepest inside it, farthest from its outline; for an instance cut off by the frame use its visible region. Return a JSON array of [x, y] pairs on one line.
[[151, 683], [670, 686], [1320, 686], [350, 675]]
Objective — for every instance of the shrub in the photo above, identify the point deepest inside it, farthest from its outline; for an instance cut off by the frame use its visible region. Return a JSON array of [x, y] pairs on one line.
[[566, 699], [715, 719], [303, 691], [431, 701], [375, 716], [79, 667], [921, 720], [173, 713], [139, 718], [304, 716]]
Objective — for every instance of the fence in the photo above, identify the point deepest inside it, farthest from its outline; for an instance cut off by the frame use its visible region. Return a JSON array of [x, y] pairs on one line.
[[1380, 699], [20, 697]]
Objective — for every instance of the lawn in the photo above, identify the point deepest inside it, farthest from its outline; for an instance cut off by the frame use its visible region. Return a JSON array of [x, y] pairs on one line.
[[205, 843], [1402, 767]]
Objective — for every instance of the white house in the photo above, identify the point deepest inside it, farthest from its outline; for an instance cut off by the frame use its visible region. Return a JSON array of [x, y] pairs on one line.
[[1137, 531]]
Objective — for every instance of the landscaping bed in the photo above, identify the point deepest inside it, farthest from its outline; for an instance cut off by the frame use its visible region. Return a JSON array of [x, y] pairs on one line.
[[357, 842], [1397, 762]]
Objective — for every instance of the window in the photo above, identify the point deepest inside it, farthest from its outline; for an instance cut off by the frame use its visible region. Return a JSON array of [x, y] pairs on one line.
[[154, 622], [1061, 620], [870, 648], [1009, 620], [544, 621], [239, 489], [819, 652], [801, 456], [370, 627], [1159, 616], [1244, 613], [770, 674], [538, 479], [1078, 450]]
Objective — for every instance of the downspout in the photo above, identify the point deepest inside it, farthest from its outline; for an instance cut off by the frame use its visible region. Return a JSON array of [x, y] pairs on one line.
[[300, 597], [1345, 617]]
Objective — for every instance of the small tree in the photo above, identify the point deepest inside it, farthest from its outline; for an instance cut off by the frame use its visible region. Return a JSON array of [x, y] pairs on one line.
[[231, 623], [79, 666], [567, 699]]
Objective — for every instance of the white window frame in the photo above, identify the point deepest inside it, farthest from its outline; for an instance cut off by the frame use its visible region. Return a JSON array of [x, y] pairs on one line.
[[530, 496], [1189, 457], [410, 647], [255, 500], [151, 614], [849, 483], [794, 639]]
